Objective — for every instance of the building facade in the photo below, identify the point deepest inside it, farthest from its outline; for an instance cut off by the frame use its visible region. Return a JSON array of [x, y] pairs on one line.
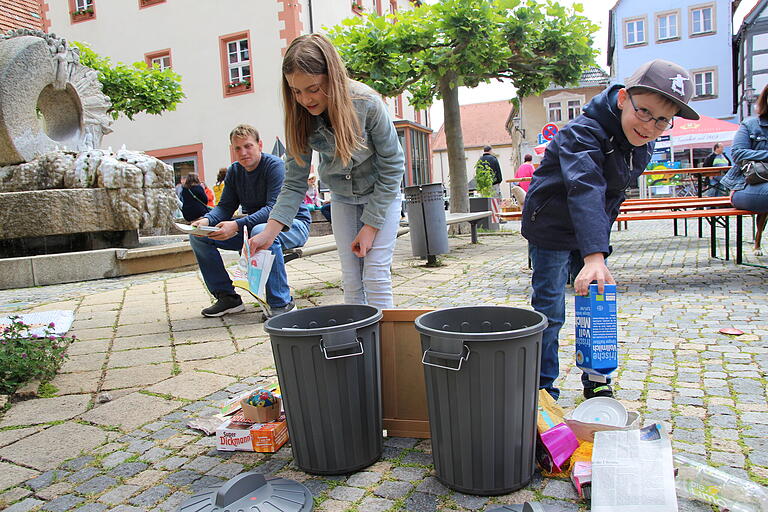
[[695, 34], [481, 124], [751, 56], [22, 14], [229, 55], [555, 106]]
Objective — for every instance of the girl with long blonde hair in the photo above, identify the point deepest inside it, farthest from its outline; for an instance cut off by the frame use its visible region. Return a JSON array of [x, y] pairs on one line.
[[360, 160]]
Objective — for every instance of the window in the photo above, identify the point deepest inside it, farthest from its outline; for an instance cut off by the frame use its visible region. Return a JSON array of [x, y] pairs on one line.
[[239, 61], [399, 106], [574, 109], [704, 83], [158, 60], [183, 159], [634, 32], [554, 111], [81, 10], [236, 63], [702, 19], [667, 26]]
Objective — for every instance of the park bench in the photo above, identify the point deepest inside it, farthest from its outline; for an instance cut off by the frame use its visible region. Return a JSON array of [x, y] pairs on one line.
[[717, 217]]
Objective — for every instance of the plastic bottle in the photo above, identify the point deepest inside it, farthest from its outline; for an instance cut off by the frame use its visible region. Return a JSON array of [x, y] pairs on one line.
[[701, 482]]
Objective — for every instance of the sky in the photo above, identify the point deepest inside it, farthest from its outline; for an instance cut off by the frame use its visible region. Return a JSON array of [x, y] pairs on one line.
[[597, 11]]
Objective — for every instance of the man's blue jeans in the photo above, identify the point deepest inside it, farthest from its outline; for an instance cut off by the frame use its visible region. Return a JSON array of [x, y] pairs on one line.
[[216, 277], [550, 274]]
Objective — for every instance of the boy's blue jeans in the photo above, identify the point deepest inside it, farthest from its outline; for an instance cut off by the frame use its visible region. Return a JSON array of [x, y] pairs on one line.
[[550, 275], [216, 277]]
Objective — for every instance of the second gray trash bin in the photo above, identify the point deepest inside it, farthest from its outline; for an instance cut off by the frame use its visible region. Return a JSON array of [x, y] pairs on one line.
[[426, 219], [327, 361], [481, 366]]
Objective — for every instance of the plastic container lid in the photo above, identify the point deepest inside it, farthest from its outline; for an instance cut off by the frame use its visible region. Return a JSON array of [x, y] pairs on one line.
[[601, 410], [251, 491]]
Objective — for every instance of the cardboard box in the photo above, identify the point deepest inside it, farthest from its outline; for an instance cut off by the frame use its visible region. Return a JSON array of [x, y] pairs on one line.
[[238, 434], [586, 431], [597, 333], [260, 414]]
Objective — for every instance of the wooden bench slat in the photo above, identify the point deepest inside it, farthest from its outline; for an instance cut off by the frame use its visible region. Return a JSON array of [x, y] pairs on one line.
[[683, 214]]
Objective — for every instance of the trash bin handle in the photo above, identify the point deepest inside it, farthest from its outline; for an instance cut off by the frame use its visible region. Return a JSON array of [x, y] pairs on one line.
[[337, 341], [238, 487], [445, 355]]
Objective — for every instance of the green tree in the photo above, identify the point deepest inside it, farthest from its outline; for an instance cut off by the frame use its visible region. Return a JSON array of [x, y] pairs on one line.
[[484, 178], [432, 50], [135, 88]]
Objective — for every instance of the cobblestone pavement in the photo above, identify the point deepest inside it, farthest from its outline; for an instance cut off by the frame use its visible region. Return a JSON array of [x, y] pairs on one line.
[[142, 340]]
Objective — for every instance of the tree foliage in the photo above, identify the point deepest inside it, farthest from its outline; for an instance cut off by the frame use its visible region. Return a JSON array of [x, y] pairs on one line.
[[432, 50], [135, 88], [484, 178]]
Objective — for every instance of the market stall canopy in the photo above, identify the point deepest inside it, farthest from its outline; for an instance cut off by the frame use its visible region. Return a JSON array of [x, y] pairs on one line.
[[704, 132]]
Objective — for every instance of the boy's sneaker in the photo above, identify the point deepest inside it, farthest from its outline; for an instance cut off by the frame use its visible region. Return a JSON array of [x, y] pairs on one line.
[[601, 390], [225, 304], [278, 311]]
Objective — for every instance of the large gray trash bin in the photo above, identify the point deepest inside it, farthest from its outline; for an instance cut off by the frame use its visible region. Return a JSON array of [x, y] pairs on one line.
[[481, 366], [426, 219], [327, 361]]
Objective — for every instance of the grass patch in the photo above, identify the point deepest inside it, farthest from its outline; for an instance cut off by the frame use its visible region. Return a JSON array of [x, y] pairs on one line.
[[306, 293]]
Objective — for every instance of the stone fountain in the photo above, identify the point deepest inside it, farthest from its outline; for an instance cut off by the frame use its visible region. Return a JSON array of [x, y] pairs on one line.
[[59, 191]]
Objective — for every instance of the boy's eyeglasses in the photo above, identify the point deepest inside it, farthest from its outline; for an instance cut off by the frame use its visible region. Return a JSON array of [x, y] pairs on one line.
[[661, 123]]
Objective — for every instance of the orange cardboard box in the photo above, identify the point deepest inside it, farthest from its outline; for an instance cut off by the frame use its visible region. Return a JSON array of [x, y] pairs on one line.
[[257, 437]]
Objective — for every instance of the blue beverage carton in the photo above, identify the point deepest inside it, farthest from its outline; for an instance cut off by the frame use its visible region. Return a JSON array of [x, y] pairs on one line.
[[597, 333]]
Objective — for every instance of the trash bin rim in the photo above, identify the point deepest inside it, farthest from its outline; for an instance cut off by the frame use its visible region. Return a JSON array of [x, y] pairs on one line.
[[269, 328], [481, 336]]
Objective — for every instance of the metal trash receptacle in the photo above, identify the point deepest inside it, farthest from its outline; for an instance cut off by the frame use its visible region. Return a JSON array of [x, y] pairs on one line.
[[426, 218], [481, 366], [327, 360]]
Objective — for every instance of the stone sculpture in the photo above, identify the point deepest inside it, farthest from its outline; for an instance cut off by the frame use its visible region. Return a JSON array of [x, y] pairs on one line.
[[54, 180]]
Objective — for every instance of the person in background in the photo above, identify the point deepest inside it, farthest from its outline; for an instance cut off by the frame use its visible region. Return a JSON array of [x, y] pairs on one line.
[[361, 161], [493, 162], [577, 191], [751, 143], [218, 188], [312, 197], [208, 194], [193, 200], [253, 183], [525, 171], [716, 159]]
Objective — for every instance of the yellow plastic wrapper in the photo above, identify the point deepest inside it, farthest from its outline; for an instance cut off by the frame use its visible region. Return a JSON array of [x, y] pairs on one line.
[[549, 412]]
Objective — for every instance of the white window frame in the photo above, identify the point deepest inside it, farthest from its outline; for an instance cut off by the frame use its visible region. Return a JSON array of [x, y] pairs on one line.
[[82, 5], [554, 107], [239, 64], [696, 73], [574, 109], [641, 21], [702, 30], [666, 15], [159, 62]]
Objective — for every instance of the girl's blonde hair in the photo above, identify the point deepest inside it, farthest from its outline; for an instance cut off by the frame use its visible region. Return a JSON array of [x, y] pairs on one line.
[[314, 54]]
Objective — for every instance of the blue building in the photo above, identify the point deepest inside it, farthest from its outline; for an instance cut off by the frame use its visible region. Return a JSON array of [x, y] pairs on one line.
[[693, 33]]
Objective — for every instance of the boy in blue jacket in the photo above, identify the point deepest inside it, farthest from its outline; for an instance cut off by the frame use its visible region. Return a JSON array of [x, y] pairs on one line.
[[576, 192]]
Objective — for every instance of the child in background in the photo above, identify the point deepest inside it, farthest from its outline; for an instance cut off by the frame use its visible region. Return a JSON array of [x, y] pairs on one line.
[[218, 188], [577, 190], [361, 161]]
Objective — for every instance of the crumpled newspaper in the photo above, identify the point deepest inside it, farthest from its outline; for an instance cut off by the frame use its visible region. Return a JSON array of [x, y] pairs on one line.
[[207, 424]]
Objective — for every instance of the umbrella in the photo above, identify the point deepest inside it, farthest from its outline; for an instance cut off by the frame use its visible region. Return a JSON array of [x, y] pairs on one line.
[[278, 149], [703, 132]]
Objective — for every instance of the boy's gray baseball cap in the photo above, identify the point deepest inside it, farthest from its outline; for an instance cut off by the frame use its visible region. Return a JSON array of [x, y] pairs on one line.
[[668, 79]]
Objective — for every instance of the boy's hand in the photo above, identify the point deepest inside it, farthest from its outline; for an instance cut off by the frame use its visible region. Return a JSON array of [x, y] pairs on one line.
[[594, 270], [364, 241]]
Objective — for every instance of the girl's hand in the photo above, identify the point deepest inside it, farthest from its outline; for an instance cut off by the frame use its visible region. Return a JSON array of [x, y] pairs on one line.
[[594, 270], [266, 238], [364, 241]]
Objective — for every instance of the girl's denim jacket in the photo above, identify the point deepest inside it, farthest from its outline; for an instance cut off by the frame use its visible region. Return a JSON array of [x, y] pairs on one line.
[[372, 177], [750, 143]]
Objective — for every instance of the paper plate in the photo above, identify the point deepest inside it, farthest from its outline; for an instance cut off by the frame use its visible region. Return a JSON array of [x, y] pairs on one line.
[[601, 410]]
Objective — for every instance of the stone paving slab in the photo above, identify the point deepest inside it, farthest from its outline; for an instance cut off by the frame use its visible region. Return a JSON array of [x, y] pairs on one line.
[[12, 435], [143, 409], [144, 375], [48, 448], [11, 474], [45, 410], [192, 385]]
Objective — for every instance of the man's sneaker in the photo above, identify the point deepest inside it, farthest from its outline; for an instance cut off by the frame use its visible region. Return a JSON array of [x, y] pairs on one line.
[[602, 390], [278, 311], [224, 305]]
